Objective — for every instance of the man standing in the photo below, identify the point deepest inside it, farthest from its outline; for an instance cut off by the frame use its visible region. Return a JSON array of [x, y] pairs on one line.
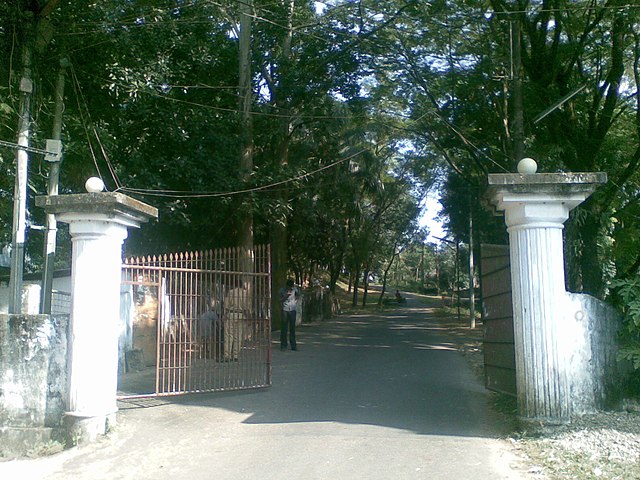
[[289, 296], [237, 306]]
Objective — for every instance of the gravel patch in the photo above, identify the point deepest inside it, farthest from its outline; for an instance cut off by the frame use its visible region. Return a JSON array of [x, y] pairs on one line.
[[605, 445]]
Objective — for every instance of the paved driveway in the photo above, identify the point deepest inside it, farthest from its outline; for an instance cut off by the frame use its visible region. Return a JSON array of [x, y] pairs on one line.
[[365, 397]]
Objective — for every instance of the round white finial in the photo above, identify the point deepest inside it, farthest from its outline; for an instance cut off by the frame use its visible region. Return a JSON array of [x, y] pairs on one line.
[[94, 185], [527, 166]]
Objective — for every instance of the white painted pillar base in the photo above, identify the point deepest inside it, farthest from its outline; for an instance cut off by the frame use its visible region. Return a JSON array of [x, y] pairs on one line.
[[536, 207]]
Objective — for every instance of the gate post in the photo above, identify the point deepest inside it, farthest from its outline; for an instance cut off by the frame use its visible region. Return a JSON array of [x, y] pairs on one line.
[[536, 207], [98, 224]]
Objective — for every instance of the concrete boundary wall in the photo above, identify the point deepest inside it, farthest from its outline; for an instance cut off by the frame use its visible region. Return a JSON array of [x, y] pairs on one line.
[[31, 292], [594, 370], [592, 333], [33, 381]]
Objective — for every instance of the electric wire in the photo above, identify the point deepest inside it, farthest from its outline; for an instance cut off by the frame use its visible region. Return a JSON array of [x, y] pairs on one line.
[[83, 111], [187, 194], [233, 110], [110, 166], [135, 20], [112, 170], [17, 146], [77, 90], [464, 137]]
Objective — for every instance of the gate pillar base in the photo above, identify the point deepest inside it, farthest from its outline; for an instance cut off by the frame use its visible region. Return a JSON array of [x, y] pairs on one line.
[[98, 224], [536, 207], [79, 430]]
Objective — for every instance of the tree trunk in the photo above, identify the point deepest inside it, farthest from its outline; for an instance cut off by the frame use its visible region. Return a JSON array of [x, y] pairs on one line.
[[365, 284], [356, 284], [246, 156], [279, 228], [279, 259], [472, 292], [385, 276]]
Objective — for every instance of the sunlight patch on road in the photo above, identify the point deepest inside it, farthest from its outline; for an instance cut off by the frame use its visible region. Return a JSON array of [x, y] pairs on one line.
[[411, 326], [447, 347], [360, 345]]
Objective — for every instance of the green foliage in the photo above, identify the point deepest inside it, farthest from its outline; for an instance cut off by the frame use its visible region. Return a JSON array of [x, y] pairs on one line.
[[628, 291], [427, 268], [459, 88], [152, 107], [593, 235], [356, 112]]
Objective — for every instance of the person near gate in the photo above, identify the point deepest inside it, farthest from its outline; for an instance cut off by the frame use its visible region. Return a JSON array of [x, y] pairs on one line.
[[211, 330], [289, 298], [237, 306]]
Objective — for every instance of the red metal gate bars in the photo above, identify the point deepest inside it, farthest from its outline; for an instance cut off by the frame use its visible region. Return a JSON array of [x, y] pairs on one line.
[[202, 319]]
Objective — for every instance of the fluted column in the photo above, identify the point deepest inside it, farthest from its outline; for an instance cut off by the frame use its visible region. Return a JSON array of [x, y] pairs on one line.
[[95, 283], [536, 207], [537, 279]]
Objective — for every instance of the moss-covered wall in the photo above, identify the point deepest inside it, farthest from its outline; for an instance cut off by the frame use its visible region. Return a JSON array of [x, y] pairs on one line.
[[33, 380]]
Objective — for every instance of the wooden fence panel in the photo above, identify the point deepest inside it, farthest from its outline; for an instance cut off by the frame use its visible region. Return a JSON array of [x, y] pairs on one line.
[[497, 315]]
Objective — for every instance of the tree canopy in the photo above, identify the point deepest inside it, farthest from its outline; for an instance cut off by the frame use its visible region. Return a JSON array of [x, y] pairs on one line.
[[357, 109]]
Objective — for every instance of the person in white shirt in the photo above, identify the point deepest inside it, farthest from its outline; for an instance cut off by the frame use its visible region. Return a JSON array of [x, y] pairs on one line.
[[289, 297]]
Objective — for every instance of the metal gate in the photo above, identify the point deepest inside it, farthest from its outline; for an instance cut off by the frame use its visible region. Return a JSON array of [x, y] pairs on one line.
[[497, 317], [199, 320]]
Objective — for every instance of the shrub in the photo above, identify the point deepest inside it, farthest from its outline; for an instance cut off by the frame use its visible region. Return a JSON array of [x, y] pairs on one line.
[[628, 291]]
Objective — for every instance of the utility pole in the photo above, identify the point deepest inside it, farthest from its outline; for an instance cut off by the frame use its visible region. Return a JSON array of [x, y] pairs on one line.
[[51, 230], [472, 293], [457, 271], [517, 104], [19, 229]]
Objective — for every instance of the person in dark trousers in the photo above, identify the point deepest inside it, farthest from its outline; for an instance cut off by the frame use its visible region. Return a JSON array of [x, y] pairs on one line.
[[289, 297]]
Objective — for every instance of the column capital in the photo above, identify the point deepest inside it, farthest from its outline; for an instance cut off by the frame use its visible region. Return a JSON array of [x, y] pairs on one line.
[[109, 207], [541, 200]]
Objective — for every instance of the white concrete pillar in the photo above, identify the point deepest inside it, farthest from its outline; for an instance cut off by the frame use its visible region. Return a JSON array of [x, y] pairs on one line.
[[536, 207], [95, 307], [98, 224]]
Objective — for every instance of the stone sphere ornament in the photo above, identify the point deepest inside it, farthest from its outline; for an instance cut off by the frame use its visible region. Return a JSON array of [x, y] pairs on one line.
[[94, 185], [527, 166]]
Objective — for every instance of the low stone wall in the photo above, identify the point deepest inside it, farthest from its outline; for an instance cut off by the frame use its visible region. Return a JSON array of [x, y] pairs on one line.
[[594, 370], [33, 380]]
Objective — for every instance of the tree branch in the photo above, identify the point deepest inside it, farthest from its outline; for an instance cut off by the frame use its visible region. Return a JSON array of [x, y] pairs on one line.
[[48, 8]]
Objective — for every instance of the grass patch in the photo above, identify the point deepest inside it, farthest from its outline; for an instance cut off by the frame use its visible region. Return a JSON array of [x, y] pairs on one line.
[[345, 297], [45, 449]]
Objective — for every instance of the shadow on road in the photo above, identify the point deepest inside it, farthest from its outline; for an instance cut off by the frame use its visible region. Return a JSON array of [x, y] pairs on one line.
[[400, 368]]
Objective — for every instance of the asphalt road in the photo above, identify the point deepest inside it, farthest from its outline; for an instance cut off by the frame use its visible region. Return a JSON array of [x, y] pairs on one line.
[[365, 397]]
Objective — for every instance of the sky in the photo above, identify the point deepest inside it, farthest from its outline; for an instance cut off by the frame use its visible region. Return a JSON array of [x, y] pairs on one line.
[[430, 211]]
